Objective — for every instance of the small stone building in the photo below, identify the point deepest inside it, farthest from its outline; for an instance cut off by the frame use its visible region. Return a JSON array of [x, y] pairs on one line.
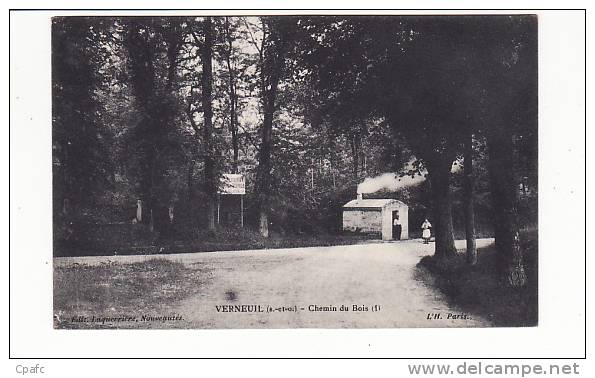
[[385, 217]]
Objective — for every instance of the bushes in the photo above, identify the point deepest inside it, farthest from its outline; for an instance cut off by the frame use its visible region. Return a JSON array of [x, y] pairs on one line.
[[482, 290], [127, 239], [102, 239]]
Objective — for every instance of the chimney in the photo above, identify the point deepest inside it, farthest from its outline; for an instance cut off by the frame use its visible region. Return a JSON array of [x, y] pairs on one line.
[[360, 196]]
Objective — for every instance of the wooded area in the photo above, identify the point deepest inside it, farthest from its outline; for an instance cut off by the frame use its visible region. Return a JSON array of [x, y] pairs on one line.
[[156, 109]]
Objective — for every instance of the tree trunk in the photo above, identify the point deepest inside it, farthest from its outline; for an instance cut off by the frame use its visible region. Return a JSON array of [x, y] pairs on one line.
[[264, 170], [146, 186], [504, 192], [354, 141], [443, 229], [263, 227], [272, 65], [207, 89], [234, 136], [139, 211], [468, 199], [151, 222], [190, 181], [233, 98], [65, 206], [172, 52]]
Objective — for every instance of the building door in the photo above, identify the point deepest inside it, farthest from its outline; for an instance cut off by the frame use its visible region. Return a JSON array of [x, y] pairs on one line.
[[397, 228]]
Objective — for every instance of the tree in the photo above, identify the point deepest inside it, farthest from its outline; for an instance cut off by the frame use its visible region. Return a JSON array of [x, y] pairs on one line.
[[468, 184], [206, 56], [82, 167], [152, 47], [229, 53], [273, 48], [409, 75], [512, 97]]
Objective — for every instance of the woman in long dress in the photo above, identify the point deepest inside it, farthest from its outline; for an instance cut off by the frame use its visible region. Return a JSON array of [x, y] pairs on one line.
[[425, 231]]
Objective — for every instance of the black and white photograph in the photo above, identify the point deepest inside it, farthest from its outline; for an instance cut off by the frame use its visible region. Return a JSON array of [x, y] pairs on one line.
[[294, 171], [406, 188]]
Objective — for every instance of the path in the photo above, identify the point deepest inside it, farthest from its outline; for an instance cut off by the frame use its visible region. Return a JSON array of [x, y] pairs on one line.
[[382, 274]]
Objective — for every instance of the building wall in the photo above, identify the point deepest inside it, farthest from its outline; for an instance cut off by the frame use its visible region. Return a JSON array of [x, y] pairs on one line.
[[387, 221], [405, 223], [377, 221], [404, 211], [387, 228], [362, 221]]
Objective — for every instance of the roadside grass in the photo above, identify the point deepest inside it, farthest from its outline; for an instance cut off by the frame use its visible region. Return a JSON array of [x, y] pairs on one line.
[[223, 239], [150, 288], [232, 239], [480, 289]]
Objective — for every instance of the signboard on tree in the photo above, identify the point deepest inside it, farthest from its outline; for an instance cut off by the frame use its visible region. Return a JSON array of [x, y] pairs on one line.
[[231, 183]]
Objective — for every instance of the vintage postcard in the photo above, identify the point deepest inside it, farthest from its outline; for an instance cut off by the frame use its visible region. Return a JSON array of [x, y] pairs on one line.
[[287, 171]]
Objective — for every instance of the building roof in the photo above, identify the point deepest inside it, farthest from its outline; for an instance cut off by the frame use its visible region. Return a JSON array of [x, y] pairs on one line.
[[371, 203]]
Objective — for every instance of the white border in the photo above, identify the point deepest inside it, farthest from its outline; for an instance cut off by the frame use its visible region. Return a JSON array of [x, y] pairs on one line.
[[561, 329]]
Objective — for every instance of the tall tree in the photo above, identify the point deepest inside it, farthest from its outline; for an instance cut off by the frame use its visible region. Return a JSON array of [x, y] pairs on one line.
[[140, 40], [512, 98], [273, 49], [232, 85], [206, 56], [152, 46], [468, 184], [82, 166]]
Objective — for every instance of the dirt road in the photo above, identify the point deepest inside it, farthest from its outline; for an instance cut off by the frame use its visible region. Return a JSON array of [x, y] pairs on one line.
[[306, 287]]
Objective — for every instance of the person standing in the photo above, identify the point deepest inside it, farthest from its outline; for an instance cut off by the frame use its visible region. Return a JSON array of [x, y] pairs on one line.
[[397, 228], [425, 231]]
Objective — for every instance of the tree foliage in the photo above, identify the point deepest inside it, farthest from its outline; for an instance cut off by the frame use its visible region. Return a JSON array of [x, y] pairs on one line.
[[157, 108]]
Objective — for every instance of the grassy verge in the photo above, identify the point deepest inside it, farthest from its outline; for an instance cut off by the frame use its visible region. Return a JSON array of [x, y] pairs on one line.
[[481, 289], [151, 288], [223, 239]]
